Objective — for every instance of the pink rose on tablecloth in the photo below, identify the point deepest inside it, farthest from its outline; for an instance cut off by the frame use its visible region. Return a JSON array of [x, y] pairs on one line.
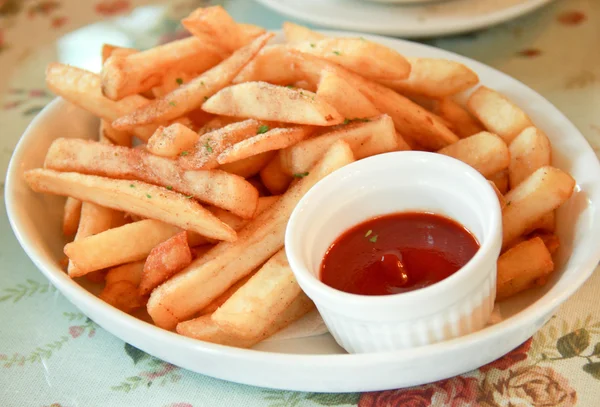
[[412, 397], [167, 367], [529, 386], [112, 7], [457, 391], [572, 17], [512, 357], [75, 331]]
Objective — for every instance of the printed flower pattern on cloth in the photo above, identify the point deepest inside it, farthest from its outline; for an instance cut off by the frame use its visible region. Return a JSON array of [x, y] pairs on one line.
[[112, 7]]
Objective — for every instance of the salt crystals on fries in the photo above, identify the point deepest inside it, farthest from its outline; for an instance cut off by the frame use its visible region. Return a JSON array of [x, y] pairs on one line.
[[178, 225]]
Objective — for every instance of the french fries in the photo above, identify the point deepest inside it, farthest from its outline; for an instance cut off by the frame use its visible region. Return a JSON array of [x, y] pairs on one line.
[[274, 178], [500, 179], [121, 287], [297, 33], [348, 101], [529, 151], [250, 166], [460, 121], [172, 141], [71, 216]]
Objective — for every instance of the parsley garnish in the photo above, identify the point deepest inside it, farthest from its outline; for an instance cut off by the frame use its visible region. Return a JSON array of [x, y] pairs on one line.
[[205, 98], [148, 195], [207, 146], [169, 187], [189, 196], [337, 52], [263, 128], [173, 103], [373, 239], [312, 44], [347, 121], [184, 153], [131, 186], [289, 86], [301, 174], [508, 203], [179, 81], [202, 83], [368, 233]]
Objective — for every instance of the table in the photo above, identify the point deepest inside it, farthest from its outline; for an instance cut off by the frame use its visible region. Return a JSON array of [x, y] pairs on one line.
[[52, 355]]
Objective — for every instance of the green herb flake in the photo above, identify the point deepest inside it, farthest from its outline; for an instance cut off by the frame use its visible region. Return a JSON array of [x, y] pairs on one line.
[[362, 38], [290, 86], [263, 128], [148, 196], [169, 187], [312, 45], [337, 52], [346, 121], [173, 103], [368, 233], [184, 153], [179, 81], [189, 196], [202, 83], [301, 174], [373, 239], [508, 203], [131, 186], [207, 146]]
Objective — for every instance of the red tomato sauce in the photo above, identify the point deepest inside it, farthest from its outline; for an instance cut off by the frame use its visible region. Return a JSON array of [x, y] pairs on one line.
[[397, 253]]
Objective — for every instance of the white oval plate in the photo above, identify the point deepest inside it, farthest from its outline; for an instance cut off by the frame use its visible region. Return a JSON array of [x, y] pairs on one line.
[[317, 363], [443, 17]]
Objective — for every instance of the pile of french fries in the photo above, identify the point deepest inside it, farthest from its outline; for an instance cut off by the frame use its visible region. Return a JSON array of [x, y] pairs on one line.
[[207, 144]]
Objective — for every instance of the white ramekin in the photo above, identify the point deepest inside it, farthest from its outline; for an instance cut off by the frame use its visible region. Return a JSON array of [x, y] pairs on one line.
[[389, 183]]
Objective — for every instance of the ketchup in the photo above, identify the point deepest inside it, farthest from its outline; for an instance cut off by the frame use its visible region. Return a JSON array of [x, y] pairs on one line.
[[397, 253]]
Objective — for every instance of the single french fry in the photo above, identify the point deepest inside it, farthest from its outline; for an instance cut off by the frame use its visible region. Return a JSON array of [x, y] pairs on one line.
[[435, 78], [112, 136], [551, 241], [520, 267], [297, 33], [500, 179], [215, 187], [369, 59], [122, 295], [253, 308], [263, 101], [128, 243], [207, 277], [529, 151], [501, 199], [273, 139], [96, 277], [348, 101], [132, 196], [191, 95], [164, 261], [108, 50], [543, 191], [82, 88], [485, 152], [249, 166], [459, 119], [498, 114], [546, 223], [205, 329], [272, 64], [172, 140], [365, 137], [273, 176], [131, 272], [71, 216], [125, 75], [220, 300]]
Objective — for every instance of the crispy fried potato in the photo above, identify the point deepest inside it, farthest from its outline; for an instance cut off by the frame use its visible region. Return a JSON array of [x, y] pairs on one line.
[[369, 59], [501, 199], [273, 139], [204, 329], [459, 120], [485, 152], [253, 308], [546, 223], [365, 137], [521, 266], [109, 135], [500, 179], [274, 178], [122, 295], [348, 101], [171, 141], [125, 75], [272, 64], [543, 191], [263, 101], [82, 88], [435, 78], [250, 166], [498, 114], [297, 33], [71, 216], [551, 241], [190, 96], [529, 151], [215, 187], [108, 50], [220, 300], [132, 196], [211, 275], [131, 272], [164, 261]]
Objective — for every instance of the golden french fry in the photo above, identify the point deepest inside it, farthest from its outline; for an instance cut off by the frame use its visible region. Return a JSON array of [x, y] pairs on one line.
[[485, 152], [109, 135], [297, 33], [529, 151], [460, 121], [122, 295], [249, 166], [263, 101], [435, 78], [172, 140], [272, 64], [95, 277], [131, 272], [348, 101], [369, 59], [132, 196], [366, 138], [501, 198], [253, 308], [273, 176], [190, 96], [500, 179], [543, 191], [125, 75], [551, 241], [113, 247], [71, 216], [82, 88], [520, 267], [220, 300], [108, 50], [546, 223], [498, 114], [164, 261], [204, 329], [215, 187], [273, 139], [207, 277]]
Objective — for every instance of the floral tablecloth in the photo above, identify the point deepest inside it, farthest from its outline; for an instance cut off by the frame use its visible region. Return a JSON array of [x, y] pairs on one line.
[[52, 355]]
